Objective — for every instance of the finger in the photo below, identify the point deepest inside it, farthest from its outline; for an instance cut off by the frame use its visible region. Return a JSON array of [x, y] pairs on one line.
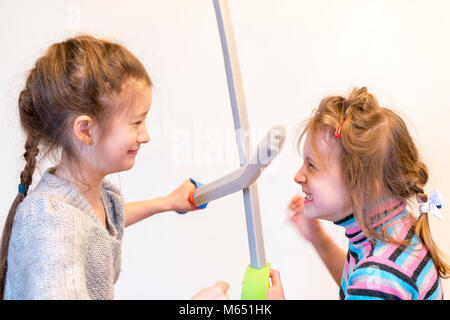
[[294, 212], [297, 202], [294, 201], [275, 277], [289, 213], [222, 286], [291, 205], [189, 183], [299, 208], [295, 207], [292, 216], [223, 297]]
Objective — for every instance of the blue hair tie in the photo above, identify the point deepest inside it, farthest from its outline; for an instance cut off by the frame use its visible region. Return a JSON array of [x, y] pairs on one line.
[[23, 188]]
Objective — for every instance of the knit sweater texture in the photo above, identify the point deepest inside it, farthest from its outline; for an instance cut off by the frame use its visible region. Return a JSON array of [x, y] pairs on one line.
[[59, 248]]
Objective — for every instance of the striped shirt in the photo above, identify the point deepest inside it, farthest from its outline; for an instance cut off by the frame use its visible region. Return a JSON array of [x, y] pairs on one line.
[[377, 270]]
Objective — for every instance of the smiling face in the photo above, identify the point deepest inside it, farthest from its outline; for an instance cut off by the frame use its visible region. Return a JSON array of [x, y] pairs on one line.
[[321, 179], [127, 131]]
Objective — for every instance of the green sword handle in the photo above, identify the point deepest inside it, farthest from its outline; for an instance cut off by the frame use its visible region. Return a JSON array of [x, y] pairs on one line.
[[256, 282]]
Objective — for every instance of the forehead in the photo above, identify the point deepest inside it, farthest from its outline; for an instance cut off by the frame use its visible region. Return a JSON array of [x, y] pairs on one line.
[[322, 148], [135, 98]]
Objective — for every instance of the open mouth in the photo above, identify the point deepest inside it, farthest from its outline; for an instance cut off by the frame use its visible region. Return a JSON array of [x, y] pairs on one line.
[[308, 197]]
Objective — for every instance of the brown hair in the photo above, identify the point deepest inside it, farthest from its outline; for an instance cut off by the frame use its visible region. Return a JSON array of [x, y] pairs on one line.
[[82, 75], [376, 149]]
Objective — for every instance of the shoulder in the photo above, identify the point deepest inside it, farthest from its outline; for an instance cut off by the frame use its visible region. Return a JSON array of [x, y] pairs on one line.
[[45, 209], [43, 253], [380, 278], [115, 205], [44, 228], [112, 191], [42, 220], [111, 187]]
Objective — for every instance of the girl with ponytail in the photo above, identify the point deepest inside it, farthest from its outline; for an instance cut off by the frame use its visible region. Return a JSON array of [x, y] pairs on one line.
[[361, 168], [85, 102]]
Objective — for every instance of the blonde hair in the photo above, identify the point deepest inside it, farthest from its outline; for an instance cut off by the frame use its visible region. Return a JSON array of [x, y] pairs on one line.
[[376, 149]]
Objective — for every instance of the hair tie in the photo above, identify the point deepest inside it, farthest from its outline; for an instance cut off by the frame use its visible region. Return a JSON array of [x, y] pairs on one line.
[[337, 132], [23, 188], [433, 205]]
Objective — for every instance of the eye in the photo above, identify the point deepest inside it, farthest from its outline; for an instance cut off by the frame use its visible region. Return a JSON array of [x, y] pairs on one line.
[[310, 165], [138, 123]]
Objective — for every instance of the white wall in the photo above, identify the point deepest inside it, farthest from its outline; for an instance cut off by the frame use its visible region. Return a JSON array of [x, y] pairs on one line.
[[292, 54]]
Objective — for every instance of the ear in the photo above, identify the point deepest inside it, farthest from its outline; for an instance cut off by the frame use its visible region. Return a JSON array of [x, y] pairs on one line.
[[83, 129]]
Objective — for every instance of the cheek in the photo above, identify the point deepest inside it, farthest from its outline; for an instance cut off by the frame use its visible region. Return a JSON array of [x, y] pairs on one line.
[[122, 139], [330, 197], [114, 148]]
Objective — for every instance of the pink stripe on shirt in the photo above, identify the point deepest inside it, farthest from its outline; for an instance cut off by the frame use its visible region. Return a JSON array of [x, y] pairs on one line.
[[365, 284], [431, 282], [390, 249]]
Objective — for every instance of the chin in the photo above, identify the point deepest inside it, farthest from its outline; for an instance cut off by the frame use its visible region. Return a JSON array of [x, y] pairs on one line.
[[124, 166], [311, 214], [314, 214], [129, 166]]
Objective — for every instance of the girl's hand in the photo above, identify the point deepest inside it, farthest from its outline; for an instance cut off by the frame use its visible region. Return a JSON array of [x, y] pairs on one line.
[[216, 292], [310, 229], [178, 200], [275, 292]]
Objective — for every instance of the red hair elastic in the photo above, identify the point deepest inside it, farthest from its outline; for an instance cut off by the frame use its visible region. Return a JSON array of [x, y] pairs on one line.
[[337, 133]]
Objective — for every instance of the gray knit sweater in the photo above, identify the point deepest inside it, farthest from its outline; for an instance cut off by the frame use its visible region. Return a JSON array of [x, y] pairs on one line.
[[59, 248]]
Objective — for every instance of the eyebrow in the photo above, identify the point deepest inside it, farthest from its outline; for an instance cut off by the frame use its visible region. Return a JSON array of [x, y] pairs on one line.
[[143, 114], [309, 159]]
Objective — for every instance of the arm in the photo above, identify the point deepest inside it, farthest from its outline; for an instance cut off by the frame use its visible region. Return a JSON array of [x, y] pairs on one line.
[[178, 200], [332, 256], [45, 258], [137, 211]]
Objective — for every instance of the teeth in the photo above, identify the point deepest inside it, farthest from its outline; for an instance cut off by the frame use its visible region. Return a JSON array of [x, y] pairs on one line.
[[308, 197]]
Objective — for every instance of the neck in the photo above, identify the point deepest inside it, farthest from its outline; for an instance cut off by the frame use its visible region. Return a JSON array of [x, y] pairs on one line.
[[386, 212], [87, 179]]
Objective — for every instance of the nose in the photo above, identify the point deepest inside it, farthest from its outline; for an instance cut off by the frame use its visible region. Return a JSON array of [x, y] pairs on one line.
[[144, 137], [300, 177]]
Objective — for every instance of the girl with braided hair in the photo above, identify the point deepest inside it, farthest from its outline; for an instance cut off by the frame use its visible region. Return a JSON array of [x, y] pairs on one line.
[[86, 101], [361, 168]]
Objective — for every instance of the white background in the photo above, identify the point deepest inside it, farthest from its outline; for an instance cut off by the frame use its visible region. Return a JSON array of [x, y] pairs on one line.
[[292, 54]]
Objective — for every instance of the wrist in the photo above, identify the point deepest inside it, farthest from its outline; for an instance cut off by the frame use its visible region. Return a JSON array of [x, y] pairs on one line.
[[166, 204], [320, 239]]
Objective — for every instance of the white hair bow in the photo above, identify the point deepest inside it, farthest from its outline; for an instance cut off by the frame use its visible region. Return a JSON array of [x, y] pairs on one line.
[[433, 205]]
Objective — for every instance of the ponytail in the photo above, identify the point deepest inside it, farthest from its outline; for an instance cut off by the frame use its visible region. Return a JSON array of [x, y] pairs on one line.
[[423, 232], [26, 178]]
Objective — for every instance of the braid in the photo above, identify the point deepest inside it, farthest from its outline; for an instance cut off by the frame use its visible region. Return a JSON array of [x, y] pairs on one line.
[[423, 231], [420, 180], [421, 196], [31, 152], [26, 178]]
